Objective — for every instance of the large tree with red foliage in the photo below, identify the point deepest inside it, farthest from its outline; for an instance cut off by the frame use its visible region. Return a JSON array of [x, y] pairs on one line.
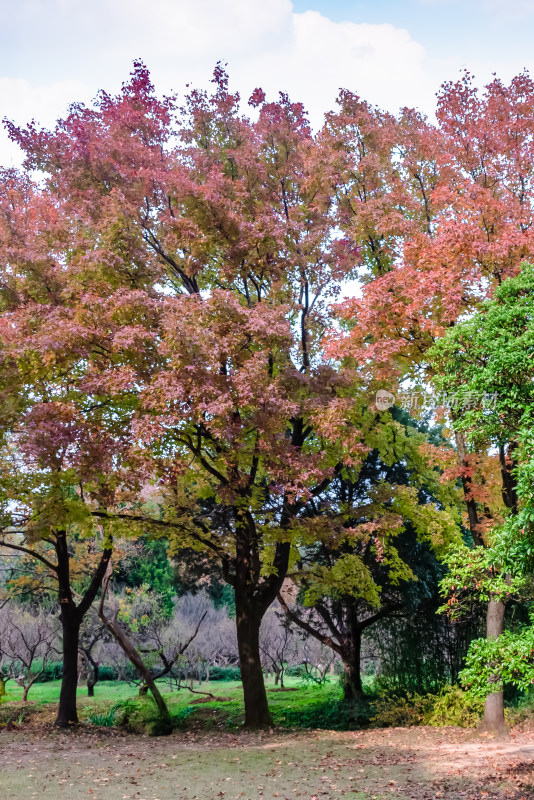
[[448, 212], [166, 291]]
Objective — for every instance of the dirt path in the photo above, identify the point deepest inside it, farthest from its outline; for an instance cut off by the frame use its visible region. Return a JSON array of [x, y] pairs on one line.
[[416, 764]]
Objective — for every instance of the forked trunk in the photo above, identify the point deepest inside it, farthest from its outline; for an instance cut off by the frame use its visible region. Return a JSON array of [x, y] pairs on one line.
[[494, 707], [248, 621], [71, 619]]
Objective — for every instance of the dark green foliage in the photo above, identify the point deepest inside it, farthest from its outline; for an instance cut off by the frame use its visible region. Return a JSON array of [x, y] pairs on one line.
[[328, 714], [52, 671], [422, 651], [225, 674], [150, 566], [107, 673], [298, 671], [195, 571]]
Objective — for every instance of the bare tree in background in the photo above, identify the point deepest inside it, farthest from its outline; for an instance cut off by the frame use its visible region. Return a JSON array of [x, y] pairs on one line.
[[27, 640], [279, 645]]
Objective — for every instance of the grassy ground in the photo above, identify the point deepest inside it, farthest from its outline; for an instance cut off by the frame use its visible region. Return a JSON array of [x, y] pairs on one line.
[[209, 758], [295, 706], [416, 764]]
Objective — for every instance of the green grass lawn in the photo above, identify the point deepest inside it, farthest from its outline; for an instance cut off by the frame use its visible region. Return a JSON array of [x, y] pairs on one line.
[[117, 702]]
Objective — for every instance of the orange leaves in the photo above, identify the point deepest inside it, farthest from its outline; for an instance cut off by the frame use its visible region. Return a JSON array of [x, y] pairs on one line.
[[443, 213]]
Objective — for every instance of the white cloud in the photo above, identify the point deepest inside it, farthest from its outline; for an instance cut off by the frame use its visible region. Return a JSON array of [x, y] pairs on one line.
[[73, 48], [21, 102]]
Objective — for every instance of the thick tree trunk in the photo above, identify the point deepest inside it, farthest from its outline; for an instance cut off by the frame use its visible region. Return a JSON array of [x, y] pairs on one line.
[[25, 694], [71, 618], [351, 655], [352, 681], [248, 621], [67, 713], [494, 707]]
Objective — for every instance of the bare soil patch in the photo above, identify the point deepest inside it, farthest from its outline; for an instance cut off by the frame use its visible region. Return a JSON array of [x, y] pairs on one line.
[[416, 764]]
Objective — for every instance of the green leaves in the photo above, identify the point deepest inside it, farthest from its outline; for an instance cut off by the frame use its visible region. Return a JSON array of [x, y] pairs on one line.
[[477, 575], [347, 576], [492, 662], [491, 355]]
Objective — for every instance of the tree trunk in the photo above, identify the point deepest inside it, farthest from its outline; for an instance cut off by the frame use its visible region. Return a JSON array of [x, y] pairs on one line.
[[137, 661], [129, 648], [92, 676], [92, 680], [248, 621], [494, 707], [67, 713], [352, 681], [351, 655], [25, 694]]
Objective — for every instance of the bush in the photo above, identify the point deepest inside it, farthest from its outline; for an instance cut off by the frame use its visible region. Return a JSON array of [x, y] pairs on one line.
[[399, 711], [451, 706], [52, 672], [225, 674], [297, 671], [104, 720], [455, 707], [107, 673], [134, 716], [327, 713]]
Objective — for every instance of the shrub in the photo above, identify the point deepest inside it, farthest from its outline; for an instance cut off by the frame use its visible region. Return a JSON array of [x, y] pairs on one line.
[[107, 673], [327, 713], [135, 716], [451, 706], [104, 720], [297, 671], [225, 674], [396, 711], [52, 671], [455, 707]]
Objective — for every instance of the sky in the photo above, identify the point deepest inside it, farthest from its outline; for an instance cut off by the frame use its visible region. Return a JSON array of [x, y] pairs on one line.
[[393, 53]]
